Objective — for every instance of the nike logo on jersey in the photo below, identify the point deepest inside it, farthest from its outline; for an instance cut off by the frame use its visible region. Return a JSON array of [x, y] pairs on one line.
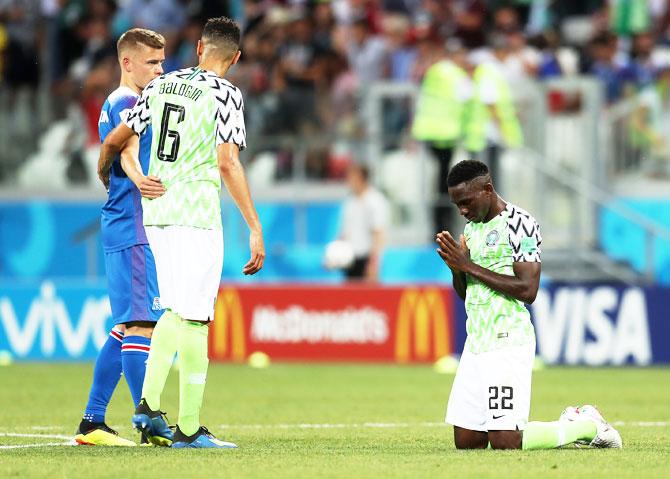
[[498, 417]]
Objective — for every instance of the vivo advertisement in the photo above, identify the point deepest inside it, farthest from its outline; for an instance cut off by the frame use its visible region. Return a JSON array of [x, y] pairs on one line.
[[595, 325]]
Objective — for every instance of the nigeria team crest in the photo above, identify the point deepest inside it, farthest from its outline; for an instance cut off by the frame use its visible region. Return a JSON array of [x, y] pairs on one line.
[[492, 238]]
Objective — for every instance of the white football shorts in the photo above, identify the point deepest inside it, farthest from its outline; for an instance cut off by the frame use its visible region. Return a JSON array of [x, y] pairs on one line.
[[491, 390], [189, 262]]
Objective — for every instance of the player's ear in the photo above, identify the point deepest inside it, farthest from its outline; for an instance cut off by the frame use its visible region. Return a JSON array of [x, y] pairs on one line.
[[236, 58], [199, 48]]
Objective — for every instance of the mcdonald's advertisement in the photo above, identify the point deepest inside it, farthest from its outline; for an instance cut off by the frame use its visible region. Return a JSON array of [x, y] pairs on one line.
[[333, 323], [596, 325]]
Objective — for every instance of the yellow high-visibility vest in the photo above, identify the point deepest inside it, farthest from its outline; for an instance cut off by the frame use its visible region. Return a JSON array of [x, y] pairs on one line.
[[478, 116], [438, 116]]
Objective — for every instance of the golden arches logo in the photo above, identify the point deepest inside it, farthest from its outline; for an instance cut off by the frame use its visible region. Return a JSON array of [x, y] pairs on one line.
[[228, 338], [419, 312]]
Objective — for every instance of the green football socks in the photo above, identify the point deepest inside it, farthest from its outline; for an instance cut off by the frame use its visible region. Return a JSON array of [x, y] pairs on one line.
[[163, 348], [549, 435], [193, 362]]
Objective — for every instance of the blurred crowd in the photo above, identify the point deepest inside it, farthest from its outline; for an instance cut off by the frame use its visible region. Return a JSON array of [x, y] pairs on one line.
[[306, 64]]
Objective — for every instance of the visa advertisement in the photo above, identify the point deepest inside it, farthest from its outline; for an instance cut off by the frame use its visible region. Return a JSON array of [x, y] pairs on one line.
[[595, 325]]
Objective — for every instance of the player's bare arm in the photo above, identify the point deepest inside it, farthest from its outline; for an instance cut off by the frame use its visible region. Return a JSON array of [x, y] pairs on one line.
[[150, 187], [112, 146], [372, 269], [523, 285], [235, 180], [459, 280]]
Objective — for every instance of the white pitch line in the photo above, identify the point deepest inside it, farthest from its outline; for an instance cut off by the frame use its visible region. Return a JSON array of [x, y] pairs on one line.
[[642, 423], [44, 444], [70, 441], [44, 436]]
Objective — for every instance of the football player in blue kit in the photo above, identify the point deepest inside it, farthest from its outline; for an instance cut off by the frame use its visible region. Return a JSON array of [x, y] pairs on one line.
[[129, 263]]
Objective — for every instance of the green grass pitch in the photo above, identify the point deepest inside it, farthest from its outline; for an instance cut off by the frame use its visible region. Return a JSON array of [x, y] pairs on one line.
[[348, 421]]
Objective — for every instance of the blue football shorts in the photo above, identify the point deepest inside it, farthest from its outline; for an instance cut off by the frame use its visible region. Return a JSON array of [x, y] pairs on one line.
[[133, 286]]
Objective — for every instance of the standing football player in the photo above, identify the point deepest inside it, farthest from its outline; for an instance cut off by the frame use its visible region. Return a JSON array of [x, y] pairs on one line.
[[129, 263], [496, 271], [198, 131]]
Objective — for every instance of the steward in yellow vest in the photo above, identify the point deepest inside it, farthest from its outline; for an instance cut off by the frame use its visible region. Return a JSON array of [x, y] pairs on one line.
[[491, 102], [439, 111], [438, 121]]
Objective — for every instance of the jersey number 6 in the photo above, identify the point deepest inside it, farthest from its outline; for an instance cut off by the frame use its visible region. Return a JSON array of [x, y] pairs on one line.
[[166, 133]]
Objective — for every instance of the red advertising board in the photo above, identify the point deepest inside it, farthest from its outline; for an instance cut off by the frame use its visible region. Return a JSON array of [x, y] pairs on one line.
[[333, 323]]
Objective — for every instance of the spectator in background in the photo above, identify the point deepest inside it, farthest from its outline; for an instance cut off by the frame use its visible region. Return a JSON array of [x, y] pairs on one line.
[[324, 22], [365, 218], [298, 53], [640, 71], [549, 65], [402, 54], [438, 15], [185, 51], [20, 20], [523, 60], [470, 16], [367, 53], [438, 121], [510, 51], [296, 67], [94, 71], [604, 65], [157, 15], [428, 49], [20, 78], [506, 19]]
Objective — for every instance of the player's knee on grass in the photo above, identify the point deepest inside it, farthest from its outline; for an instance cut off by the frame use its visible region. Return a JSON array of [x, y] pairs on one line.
[[140, 328], [505, 439], [468, 439]]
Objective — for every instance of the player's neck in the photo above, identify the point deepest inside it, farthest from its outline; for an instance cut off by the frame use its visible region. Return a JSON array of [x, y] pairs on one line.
[[128, 83], [497, 208], [219, 68]]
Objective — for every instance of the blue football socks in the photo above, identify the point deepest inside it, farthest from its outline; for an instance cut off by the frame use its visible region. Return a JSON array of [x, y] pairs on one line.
[[106, 376], [134, 354]]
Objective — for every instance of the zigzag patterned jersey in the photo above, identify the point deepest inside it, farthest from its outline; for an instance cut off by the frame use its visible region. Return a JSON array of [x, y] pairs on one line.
[[494, 319], [191, 111]]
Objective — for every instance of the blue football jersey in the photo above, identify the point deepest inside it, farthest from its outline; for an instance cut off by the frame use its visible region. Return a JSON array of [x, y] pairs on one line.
[[121, 222]]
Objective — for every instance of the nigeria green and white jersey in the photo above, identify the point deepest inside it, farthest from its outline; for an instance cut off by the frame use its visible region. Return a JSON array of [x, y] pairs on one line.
[[496, 320], [191, 112]]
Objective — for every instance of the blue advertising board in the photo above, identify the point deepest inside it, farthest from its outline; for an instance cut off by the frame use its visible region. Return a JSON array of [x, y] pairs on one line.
[[54, 320], [596, 324], [602, 325]]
